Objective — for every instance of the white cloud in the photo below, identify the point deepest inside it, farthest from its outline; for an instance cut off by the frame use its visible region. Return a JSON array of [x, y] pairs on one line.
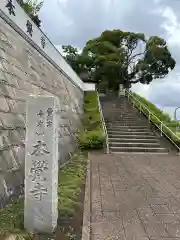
[[171, 26], [142, 90], [62, 2]]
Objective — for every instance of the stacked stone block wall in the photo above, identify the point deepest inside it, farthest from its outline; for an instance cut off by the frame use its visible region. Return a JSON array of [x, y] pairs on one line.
[[24, 71]]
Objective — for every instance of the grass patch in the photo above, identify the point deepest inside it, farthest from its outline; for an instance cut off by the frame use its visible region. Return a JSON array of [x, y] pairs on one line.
[[163, 117], [92, 136], [71, 178], [156, 111]]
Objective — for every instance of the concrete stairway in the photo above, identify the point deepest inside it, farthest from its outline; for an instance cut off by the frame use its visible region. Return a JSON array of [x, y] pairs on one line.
[[128, 130]]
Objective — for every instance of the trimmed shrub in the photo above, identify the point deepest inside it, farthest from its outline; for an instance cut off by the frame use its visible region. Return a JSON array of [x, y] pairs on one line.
[[92, 136]]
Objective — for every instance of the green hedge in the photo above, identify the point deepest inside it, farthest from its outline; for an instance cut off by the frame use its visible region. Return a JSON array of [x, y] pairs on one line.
[[92, 136], [163, 117]]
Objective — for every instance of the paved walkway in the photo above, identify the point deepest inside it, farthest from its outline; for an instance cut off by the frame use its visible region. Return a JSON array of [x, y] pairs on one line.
[[135, 197]]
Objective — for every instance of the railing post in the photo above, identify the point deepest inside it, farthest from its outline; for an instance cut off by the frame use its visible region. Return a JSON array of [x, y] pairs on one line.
[[161, 128], [104, 125], [140, 108], [149, 116]]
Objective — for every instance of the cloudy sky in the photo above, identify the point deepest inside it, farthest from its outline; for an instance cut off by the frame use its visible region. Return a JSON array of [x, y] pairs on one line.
[[76, 21]]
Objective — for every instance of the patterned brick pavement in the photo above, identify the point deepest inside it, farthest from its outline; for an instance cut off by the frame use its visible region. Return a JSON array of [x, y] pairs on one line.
[[135, 197]]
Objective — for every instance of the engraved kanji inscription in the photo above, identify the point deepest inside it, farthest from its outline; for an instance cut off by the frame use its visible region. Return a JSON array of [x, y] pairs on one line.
[[40, 113], [49, 112], [49, 123], [38, 167], [10, 7], [38, 191], [40, 125], [43, 42], [29, 27], [49, 117], [40, 149]]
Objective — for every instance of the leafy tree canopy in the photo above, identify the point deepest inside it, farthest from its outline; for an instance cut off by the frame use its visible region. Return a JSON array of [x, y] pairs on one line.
[[32, 8], [122, 57], [79, 61]]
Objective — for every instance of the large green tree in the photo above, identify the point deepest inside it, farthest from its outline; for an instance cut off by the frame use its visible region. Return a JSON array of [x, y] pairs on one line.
[[79, 61], [124, 57], [127, 58]]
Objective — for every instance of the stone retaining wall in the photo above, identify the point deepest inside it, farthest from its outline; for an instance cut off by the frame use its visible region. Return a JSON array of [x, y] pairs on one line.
[[23, 71]]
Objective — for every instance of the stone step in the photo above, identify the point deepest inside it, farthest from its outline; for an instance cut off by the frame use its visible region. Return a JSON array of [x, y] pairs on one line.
[[128, 125], [127, 140], [135, 123], [122, 115], [128, 129], [119, 111], [117, 117], [120, 120], [134, 144], [126, 136], [123, 105], [137, 149], [131, 133], [141, 153], [124, 127]]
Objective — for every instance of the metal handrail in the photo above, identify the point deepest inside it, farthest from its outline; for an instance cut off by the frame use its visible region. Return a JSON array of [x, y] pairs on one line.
[[103, 124], [149, 114]]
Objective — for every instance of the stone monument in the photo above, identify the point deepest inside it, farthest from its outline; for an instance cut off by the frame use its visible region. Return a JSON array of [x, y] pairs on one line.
[[41, 165]]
